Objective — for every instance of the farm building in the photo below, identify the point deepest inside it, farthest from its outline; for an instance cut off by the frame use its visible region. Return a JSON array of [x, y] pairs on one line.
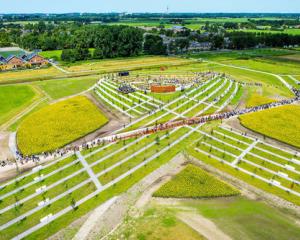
[[14, 62]]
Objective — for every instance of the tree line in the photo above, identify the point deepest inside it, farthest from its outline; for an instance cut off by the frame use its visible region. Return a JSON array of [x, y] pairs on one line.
[[243, 40]]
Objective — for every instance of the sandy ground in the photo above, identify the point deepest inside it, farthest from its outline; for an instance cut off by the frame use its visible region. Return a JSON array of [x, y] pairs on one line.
[[4, 147]]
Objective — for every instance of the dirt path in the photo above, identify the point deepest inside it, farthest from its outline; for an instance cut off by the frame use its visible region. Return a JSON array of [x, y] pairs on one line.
[[4, 146], [202, 225]]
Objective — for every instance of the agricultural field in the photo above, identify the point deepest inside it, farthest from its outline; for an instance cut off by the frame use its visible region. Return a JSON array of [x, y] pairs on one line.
[[47, 199], [13, 99], [285, 31], [58, 124], [193, 182], [281, 123], [114, 167], [135, 63]]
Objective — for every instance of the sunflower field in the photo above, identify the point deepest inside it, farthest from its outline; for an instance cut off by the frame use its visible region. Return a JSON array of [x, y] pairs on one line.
[[193, 182], [56, 125], [280, 123]]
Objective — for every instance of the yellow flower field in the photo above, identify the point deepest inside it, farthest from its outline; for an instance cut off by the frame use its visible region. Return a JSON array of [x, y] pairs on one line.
[[58, 124], [193, 182], [256, 100], [280, 123]]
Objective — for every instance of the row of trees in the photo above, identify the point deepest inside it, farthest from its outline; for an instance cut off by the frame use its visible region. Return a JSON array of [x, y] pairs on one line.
[[242, 40]]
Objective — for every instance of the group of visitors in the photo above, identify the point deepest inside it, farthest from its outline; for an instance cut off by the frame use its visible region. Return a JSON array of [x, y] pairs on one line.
[[126, 88]]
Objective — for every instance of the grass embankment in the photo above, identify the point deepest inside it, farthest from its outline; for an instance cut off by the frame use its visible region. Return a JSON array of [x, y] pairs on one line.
[[20, 76], [279, 123], [13, 99], [58, 124], [66, 87], [193, 182]]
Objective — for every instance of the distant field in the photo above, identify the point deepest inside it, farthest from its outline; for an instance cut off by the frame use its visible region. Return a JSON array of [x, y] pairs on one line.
[[65, 87], [286, 31], [279, 123], [111, 65], [243, 54], [29, 75], [58, 124], [193, 182], [8, 53], [294, 57], [55, 54], [13, 99], [268, 66]]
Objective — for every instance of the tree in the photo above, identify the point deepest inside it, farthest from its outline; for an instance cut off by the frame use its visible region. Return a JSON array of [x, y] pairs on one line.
[[68, 55], [154, 45]]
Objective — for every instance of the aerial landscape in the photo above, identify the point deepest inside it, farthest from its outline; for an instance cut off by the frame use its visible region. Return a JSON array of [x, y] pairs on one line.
[[161, 120]]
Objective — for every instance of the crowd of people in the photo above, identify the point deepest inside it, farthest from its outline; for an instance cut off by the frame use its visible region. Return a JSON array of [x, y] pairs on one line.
[[126, 88]]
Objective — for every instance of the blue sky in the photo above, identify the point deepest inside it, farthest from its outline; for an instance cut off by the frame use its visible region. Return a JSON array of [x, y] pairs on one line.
[[61, 6]]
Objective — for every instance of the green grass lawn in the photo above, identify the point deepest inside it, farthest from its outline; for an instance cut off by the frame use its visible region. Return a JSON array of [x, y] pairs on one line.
[[280, 123], [65, 87], [285, 31], [56, 54], [271, 85], [242, 54], [268, 65], [166, 97], [58, 124], [13, 99], [247, 219], [156, 223], [193, 182], [52, 54]]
